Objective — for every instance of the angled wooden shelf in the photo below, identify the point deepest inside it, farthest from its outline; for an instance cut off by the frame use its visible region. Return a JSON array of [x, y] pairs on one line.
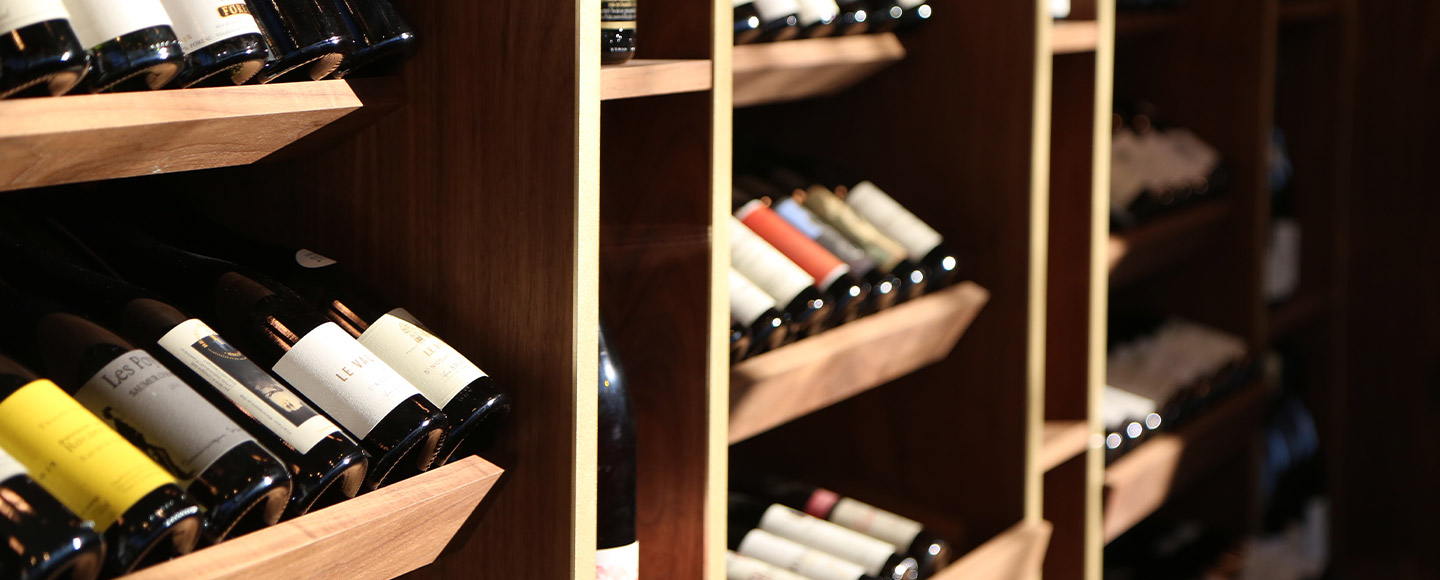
[[52, 141], [1295, 315], [1165, 241], [1016, 553], [1074, 36], [376, 536], [1141, 481], [777, 387], [647, 78], [801, 69], [1298, 11], [1062, 441]]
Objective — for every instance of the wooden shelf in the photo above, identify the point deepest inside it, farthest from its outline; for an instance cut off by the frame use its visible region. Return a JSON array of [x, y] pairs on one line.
[[1295, 315], [777, 387], [799, 69], [647, 78], [1074, 36], [1297, 11], [1016, 553], [1141, 481], [1061, 442], [376, 536], [1165, 241], [51, 141]]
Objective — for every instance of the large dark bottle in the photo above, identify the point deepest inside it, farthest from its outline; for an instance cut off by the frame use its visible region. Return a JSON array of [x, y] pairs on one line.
[[784, 281], [41, 538], [875, 557], [276, 328], [766, 20], [617, 31], [221, 40], [832, 276], [39, 48], [307, 39], [136, 505], [132, 43], [618, 553], [752, 308], [241, 487], [383, 39], [923, 244]]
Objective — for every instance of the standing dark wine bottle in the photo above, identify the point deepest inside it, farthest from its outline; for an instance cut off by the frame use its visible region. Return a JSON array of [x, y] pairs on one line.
[[307, 39], [877, 558], [220, 39], [832, 276], [617, 31], [43, 539], [922, 243], [132, 43], [752, 308], [137, 507], [784, 281], [766, 20], [39, 48], [617, 555], [383, 39], [818, 18]]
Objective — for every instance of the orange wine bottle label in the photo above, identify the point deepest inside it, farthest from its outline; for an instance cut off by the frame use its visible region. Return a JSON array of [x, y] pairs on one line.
[[818, 262]]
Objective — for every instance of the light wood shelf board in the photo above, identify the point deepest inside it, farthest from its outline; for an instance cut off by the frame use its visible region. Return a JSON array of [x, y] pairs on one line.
[[376, 536], [647, 78], [779, 386], [1295, 315], [1062, 441], [51, 141], [1017, 553], [1074, 36], [799, 69], [1164, 241]]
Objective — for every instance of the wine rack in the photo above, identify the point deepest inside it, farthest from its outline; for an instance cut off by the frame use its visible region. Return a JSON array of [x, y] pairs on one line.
[[646, 78]]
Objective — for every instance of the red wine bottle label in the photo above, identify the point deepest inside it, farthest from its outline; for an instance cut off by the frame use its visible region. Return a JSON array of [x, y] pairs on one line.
[[439, 371], [247, 385], [344, 379], [97, 21], [870, 553], [885, 251], [764, 265], [818, 262], [74, 456], [201, 23], [309, 259], [877, 523], [818, 11], [21, 13], [894, 220], [772, 10], [161, 415], [747, 301], [789, 555], [739, 567], [622, 563], [616, 14], [807, 222], [9, 466]]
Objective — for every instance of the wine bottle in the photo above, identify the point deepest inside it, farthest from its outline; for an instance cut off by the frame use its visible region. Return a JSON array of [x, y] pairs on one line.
[[766, 20], [241, 487], [276, 328], [888, 254], [307, 39], [818, 18], [132, 43], [137, 506], [908, 536], [752, 308], [739, 567], [617, 31], [876, 558], [809, 563], [39, 48], [618, 553], [739, 342], [887, 15], [923, 244], [43, 539], [383, 39], [784, 281], [220, 39], [854, 17], [832, 276]]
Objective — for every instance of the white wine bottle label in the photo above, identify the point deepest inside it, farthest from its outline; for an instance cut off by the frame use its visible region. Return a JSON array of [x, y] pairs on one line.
[[21, 13], [97, 21], [9, 466], [764, 265], [870, 553], [74, 456], [201, 23], [818, 11], [894, 220], [436, 368], [789, 555], [772, 10], [161, 415], [747, 301], [344, 378], [309, 259], [246, 384], [805, 221], [622, 563], [617, 14], [739, 567], [899, 531]]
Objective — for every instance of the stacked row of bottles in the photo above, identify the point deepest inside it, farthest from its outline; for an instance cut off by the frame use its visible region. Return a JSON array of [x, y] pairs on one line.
[[1157, 169], [56, 47], [187, 399], [778, 20]]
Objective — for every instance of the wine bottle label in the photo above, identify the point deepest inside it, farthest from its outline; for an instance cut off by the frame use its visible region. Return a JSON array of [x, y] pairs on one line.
[[247, 385], [161, 415], [15, 14], [789, 555], [747, 301], [876, 523], [772, 10], [764, 265], [439, 371], [622, 563], [886, 252], [894, 220], [818, 11], [739, 567], [870, 553], [309, 259], [9, 466], [201, 23], [87, 466], [808, 223], [98, 21], [819, 263], [344, 378], [615, 14]]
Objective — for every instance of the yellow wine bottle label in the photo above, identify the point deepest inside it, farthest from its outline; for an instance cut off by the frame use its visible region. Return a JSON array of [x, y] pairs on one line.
[[886, 252], [74, 455]]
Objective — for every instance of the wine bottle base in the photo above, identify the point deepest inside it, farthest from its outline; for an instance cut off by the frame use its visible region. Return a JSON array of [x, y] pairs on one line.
[[337, 488], [313, 69], [416, 458]]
